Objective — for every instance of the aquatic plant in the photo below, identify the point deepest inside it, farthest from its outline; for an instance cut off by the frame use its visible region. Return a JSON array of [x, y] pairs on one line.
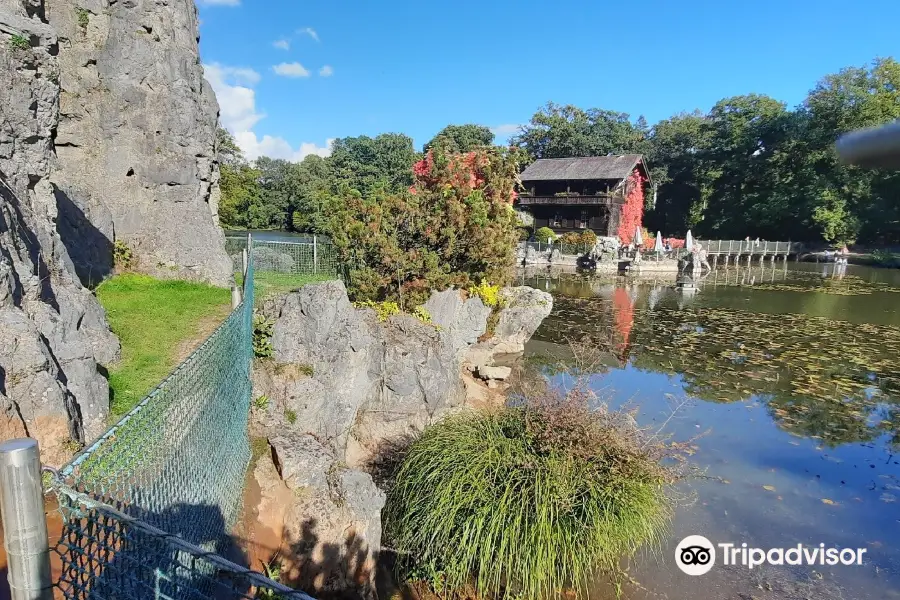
[[529, 500], [820, 377]]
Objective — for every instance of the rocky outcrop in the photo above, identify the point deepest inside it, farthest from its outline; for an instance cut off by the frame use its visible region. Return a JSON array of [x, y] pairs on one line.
[[53, 332], [136, 139], [342, 386], [332, 524], [372, 380]]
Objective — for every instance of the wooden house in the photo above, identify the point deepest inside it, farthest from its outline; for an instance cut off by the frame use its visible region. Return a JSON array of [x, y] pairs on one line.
[[574, 194]]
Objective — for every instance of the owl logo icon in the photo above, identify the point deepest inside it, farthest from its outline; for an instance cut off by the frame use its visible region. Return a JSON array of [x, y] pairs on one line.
[[695, 555]]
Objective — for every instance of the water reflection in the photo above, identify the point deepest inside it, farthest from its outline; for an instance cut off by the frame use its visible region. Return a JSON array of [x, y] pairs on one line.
[[827, 378], [795, 371]]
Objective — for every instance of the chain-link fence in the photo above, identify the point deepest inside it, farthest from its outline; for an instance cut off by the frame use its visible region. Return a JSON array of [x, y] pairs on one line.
[[147, 506], [283, 266]]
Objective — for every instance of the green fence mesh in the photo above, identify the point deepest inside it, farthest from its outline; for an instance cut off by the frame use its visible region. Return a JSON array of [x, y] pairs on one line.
[[147, 506], [285, 266]]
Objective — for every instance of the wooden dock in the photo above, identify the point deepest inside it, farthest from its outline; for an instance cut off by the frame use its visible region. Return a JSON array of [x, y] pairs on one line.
[[736, 251]]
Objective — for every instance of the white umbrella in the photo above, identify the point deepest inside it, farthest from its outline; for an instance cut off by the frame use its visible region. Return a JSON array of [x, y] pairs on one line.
[[638, 240], [688, 241], [658, 247]]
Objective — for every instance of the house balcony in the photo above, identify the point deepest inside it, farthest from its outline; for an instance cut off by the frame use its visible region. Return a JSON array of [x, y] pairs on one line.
[[598, 200]]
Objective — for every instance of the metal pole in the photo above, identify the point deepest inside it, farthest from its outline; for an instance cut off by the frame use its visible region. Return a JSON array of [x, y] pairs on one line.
[[24, 525], [315, 255], [244, 263], [235, 297]]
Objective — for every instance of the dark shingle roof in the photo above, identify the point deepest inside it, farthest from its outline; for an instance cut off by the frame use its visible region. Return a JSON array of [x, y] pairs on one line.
[[592, 167]]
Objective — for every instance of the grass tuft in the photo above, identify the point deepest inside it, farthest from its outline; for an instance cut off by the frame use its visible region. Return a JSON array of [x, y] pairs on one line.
[[153, 320], [529, 500]]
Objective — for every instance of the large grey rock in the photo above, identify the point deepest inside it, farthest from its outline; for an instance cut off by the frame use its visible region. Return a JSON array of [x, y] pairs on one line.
[[135, 142], [329, 525], [374, 381], [464, 319], [379, 380], [525, 308], [53, 332], [331, 518], [494, 373], [304, 462]]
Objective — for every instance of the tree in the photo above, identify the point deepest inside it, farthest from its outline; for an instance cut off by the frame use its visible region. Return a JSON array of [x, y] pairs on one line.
[[227, 150], [312, 181], [461, 138], [455, 226], [362, 163], [239, 184], [564, 131], [677, 146]]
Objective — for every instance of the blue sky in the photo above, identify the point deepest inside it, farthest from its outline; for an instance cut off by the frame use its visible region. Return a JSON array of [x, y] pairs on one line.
[[292, 74]]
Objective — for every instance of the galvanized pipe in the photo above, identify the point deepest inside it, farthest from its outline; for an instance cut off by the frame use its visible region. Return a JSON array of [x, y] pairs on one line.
[[24, 524]]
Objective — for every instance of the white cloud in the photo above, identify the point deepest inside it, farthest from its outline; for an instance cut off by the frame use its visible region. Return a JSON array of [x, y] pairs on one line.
[[293, 69], [237, 101], [505, 130], [326, 71], [282, 44], [276, 147], [310, 32], [219, 2], [238, 113]]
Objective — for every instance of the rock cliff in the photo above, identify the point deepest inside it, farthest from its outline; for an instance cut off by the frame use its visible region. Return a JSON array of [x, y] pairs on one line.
[[53, 332], [135, 142]]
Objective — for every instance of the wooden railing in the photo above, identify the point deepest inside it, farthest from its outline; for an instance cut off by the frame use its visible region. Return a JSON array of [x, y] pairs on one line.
[[570, 200], [745, 247]]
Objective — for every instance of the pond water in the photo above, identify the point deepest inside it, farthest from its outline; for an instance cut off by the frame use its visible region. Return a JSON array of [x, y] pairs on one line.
[[792, 373]]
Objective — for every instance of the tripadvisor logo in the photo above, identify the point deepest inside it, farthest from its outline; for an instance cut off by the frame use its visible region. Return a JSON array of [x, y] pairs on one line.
[[696, 555]]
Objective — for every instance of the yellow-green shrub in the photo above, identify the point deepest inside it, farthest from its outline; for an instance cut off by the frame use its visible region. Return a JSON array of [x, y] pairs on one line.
[[384, 310], [489, 294]]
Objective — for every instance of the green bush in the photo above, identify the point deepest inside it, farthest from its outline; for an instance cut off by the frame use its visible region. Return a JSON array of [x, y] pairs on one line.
[[83, 17], [570, 237], [489, 294], [544, 235], [19, 42], [262, 336], [422, 314], [524, 234], [529, 500], [885, 258], [453, 227], [588, 238], [123, 255], [384, 310]]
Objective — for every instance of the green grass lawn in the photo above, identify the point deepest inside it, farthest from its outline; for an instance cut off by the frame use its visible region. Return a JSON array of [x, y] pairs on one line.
[[158, 323], [268, 283]]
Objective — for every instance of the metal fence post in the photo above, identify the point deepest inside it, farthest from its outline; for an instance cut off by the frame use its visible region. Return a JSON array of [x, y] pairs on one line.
[[315, 255], [235, 296], [244, 263], [24, 525]]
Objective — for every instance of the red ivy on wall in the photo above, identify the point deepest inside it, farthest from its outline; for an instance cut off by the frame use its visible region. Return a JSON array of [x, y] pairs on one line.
[[633, 210]]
